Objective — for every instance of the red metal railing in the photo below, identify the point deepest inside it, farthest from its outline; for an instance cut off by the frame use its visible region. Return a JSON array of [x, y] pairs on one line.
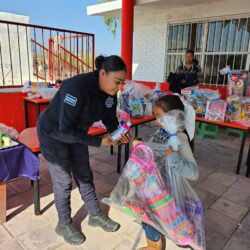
[[38, 53]]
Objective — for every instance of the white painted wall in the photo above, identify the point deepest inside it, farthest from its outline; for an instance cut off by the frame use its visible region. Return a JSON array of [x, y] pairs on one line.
[[149, 52], [5, 50], [150, 29]]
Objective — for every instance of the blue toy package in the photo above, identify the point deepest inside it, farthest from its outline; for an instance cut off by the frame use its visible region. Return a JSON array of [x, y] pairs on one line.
[[125, 102], [136, 109]]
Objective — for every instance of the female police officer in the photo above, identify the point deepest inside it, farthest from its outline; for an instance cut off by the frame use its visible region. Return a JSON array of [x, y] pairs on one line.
[[62, 130]]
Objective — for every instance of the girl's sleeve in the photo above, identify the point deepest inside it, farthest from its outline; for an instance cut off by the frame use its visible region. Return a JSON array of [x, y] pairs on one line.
[[183, 162]]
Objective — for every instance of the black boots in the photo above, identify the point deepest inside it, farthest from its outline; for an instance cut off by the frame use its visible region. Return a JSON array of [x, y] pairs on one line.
[[104, 222], [70, 234]]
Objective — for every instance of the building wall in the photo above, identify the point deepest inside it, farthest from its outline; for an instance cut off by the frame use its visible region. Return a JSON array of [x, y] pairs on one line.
[[149, 52], [176, 11], [150, 30], [17, 50]]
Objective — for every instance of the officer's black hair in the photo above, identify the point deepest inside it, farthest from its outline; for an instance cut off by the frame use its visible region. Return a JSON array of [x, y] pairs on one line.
[[169, 102], [110, 63]]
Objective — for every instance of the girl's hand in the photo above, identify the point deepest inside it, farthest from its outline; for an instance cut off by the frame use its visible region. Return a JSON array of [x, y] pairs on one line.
[[107, 142], [157, 123], [169, 151], [125, 139]]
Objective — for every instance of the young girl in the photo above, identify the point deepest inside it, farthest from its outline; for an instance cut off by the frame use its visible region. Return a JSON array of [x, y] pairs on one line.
[[182, 161], [153, 186]]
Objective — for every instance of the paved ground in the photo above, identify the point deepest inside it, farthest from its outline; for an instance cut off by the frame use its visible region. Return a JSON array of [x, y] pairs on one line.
[[225, 196]]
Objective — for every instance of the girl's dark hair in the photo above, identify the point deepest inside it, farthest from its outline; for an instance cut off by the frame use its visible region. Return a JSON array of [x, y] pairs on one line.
[[169, 102], [190, 51], [110, 63]]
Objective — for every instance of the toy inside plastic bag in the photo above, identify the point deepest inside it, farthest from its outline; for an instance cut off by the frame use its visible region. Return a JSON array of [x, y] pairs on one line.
[[136, 108], [122, 115], [233, 108], [8, 130], [39, 89], [142, 192], [245, 109], [184, 195], [138, 89], [133, 98], [186, 198], [238, 81], [198, 98], [238, 109]]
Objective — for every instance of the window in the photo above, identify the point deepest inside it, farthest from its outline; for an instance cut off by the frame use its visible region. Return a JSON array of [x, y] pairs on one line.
[[215, 43]]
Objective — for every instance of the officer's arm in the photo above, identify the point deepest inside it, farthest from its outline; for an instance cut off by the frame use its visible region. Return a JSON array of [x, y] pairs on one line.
[[111, 121], [72, 103]]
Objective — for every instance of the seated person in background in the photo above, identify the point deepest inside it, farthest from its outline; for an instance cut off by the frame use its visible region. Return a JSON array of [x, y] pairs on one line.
[[186, 74]]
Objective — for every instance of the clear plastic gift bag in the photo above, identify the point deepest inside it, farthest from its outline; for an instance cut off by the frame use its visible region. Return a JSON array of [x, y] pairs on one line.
[[180, 189], [188, 201], [133, 96], [142, 192]]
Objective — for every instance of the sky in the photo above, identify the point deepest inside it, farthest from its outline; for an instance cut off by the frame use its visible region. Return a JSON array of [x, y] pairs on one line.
[[67, 14]]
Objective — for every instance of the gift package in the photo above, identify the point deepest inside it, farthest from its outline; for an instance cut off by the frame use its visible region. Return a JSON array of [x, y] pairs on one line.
[[238, 83], [238, 109], [198, 98], [137, 99], [39, 90], [216, 110]]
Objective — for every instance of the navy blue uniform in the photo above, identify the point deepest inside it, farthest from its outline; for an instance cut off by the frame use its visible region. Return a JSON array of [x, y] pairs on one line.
[[64, 141]]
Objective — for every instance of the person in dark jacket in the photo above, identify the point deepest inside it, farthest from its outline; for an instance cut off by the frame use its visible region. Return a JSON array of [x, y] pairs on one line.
[[64, 140], [189, 64], [187, 73]]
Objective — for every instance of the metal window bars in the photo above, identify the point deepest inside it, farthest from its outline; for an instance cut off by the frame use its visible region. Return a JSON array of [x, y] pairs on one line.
[[216, 43], [38, 53]]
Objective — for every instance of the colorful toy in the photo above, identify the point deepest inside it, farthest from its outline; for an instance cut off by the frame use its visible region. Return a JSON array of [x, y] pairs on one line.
[[198, 98], [123, 129], [149, 199], [216, 110], [238, 109], [136, 109], [237, 82]]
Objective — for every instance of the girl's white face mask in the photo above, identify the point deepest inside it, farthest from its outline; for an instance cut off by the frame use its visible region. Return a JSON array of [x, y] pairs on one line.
[[173, 121]]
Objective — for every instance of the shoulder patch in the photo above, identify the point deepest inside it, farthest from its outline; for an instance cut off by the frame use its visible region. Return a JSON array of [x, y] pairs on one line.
[[71, 100]]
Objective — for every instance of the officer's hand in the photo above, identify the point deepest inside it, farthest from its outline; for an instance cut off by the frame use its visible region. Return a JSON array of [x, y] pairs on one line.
[[107, 142], [125, 139]]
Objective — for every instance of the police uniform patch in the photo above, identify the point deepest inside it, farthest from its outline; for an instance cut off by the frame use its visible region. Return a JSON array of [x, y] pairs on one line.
[[109, 102], [71, 100]]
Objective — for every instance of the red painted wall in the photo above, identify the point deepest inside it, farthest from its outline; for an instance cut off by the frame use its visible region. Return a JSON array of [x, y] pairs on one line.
[[12, 108], [12, 111]]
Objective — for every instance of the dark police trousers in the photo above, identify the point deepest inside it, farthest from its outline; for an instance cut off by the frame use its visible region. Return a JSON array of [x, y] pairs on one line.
[[63, 160]]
